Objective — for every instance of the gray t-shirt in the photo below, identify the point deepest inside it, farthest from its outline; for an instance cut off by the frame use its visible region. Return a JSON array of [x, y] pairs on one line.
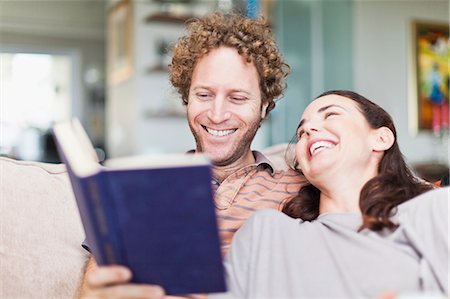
[[276, 256]]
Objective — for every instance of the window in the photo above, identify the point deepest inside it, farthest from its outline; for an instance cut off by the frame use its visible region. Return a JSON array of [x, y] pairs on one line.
[[35, 91]]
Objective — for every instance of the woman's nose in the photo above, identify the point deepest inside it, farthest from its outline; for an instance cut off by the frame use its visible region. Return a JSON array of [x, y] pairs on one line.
[[311, 127]]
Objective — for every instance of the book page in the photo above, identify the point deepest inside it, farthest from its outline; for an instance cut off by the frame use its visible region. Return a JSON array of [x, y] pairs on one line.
[[76, 147], [157, 161]]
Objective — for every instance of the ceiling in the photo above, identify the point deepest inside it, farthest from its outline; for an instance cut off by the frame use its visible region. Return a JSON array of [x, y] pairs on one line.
[[66, 18]]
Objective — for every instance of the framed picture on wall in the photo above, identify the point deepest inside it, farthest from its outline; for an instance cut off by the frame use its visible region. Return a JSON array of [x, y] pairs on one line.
[[431, 78], [120, 42]]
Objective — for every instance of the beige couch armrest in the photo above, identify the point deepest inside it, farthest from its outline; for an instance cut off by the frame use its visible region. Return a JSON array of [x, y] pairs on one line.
[[41, 232]]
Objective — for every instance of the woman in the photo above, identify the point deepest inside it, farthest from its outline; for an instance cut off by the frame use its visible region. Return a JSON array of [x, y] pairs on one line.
[[354, 232]]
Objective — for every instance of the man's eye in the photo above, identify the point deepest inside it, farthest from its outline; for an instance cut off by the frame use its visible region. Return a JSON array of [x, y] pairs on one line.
[[203, 95], [238, 99]]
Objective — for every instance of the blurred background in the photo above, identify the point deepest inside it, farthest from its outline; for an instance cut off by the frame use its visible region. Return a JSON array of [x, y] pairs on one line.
[[105, 62]]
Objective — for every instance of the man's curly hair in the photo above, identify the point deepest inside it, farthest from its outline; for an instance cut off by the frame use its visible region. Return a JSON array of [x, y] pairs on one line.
[[253, 39]]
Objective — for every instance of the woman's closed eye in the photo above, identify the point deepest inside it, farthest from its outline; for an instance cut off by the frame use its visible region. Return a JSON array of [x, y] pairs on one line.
[[330, 114]]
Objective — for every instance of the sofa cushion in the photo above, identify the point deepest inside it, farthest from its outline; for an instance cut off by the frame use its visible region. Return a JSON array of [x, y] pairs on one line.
[[41, 231]]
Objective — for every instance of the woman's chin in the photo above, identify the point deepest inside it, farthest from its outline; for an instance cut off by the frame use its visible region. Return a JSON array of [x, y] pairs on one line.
[[320, 168]]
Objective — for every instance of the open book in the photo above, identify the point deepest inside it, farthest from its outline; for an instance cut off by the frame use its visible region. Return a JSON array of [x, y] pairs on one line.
[[152, 214]]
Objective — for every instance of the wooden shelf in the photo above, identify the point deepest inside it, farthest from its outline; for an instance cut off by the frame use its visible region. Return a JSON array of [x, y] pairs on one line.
[[151, 114], [158, 69], [166, 17]]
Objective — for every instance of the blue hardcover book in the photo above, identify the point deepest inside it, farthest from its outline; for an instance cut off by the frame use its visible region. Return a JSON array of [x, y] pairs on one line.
[[152, 214]]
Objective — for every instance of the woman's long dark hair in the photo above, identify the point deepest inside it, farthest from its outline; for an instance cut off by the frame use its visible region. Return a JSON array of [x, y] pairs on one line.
[[379, 197]]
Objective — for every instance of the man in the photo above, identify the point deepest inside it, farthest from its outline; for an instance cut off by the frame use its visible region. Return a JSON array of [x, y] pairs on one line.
[[228, 72]]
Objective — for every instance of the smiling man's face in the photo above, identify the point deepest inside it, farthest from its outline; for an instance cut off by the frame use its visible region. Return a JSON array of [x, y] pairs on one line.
[[224, 108]]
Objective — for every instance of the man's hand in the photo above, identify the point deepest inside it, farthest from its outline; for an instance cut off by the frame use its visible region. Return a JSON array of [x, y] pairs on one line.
[[113, 282], [388, 295]]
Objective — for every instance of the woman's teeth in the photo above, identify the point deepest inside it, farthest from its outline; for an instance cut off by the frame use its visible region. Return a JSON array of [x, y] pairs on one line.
[[319, 146]]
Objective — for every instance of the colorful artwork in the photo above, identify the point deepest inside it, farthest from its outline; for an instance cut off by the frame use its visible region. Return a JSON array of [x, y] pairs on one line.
[[432, 60]]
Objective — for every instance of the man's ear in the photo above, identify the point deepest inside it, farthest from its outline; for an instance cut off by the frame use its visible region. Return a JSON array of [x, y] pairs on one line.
[[383, 139], [264, 109]]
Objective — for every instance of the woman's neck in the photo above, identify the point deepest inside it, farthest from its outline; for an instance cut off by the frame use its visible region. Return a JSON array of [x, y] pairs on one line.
[[342, 194], [339, 201]]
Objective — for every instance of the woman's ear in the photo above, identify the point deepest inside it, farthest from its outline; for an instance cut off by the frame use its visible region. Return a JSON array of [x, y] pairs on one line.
[[383, 139]]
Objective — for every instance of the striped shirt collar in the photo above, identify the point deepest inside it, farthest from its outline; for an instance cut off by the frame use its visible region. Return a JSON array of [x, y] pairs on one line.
[[263, 161], [260, 160]]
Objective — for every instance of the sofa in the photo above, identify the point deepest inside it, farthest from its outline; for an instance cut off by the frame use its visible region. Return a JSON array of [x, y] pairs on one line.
[[41, 231]]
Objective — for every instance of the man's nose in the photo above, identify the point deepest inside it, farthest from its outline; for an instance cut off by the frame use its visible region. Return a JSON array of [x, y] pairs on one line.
[[219, 110]]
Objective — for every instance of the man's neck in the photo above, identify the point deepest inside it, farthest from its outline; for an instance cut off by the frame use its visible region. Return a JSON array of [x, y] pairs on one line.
[[222, 172]]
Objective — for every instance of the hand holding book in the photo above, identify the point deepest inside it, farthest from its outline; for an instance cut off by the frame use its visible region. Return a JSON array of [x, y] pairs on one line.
[[114, 282]]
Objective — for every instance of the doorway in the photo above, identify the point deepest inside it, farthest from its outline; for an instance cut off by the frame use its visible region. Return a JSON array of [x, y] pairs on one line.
[[36, 91]]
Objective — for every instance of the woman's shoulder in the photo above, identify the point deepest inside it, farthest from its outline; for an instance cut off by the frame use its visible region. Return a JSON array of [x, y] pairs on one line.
[[262, 225], [269, 220], [432, 205], [271, 216], [434, 198], [272, 221]]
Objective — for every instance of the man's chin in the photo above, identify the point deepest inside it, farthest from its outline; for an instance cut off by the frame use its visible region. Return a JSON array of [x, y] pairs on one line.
[[225, 155], [222, 160], [221, 163]]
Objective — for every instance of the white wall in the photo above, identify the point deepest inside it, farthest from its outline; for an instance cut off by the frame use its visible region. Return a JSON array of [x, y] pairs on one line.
[[382, 48], [381, 44], [75, 28], [64, 19]]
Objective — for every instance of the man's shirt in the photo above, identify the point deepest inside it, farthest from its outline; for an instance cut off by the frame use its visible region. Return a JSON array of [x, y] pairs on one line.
[[253, 187]]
